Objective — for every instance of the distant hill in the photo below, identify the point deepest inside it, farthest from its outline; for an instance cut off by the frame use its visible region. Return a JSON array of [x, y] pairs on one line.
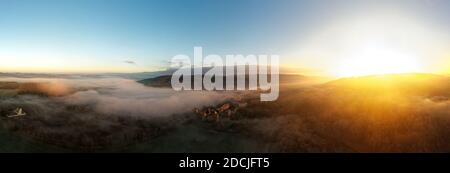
[[160, 81], [410, 83], [133, 76], [165, 81]]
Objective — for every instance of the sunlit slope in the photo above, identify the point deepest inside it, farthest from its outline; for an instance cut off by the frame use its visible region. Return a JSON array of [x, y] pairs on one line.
[[383, 113], [427, 85]]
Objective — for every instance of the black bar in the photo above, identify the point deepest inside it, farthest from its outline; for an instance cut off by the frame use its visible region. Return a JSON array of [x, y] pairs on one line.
[[278, 162]]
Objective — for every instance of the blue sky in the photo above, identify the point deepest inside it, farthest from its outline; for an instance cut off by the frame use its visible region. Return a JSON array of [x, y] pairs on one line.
[[102, 34]]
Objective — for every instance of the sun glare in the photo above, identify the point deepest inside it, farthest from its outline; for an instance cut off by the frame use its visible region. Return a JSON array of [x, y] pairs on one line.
[[375, 42], [375, 60]]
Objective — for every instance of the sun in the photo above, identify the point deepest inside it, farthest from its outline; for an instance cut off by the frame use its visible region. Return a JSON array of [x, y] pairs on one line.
[[371, 60], [375, 42]]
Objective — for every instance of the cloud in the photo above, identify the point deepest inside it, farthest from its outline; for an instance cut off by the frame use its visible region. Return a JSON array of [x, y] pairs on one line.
[[130, 62]]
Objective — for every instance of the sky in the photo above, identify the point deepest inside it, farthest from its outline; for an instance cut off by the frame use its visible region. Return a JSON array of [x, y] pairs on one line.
[[318, 36]]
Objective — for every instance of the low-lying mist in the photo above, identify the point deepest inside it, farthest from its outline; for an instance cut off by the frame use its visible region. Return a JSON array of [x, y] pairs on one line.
[[115, 95], [92, 114], [385, 113]]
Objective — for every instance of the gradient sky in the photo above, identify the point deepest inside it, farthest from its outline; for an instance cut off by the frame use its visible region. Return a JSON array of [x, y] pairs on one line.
[[100, 35]]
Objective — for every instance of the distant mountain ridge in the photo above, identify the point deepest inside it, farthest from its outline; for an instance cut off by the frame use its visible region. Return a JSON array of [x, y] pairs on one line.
[[165, 81], [411, 83], [134, 76]]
